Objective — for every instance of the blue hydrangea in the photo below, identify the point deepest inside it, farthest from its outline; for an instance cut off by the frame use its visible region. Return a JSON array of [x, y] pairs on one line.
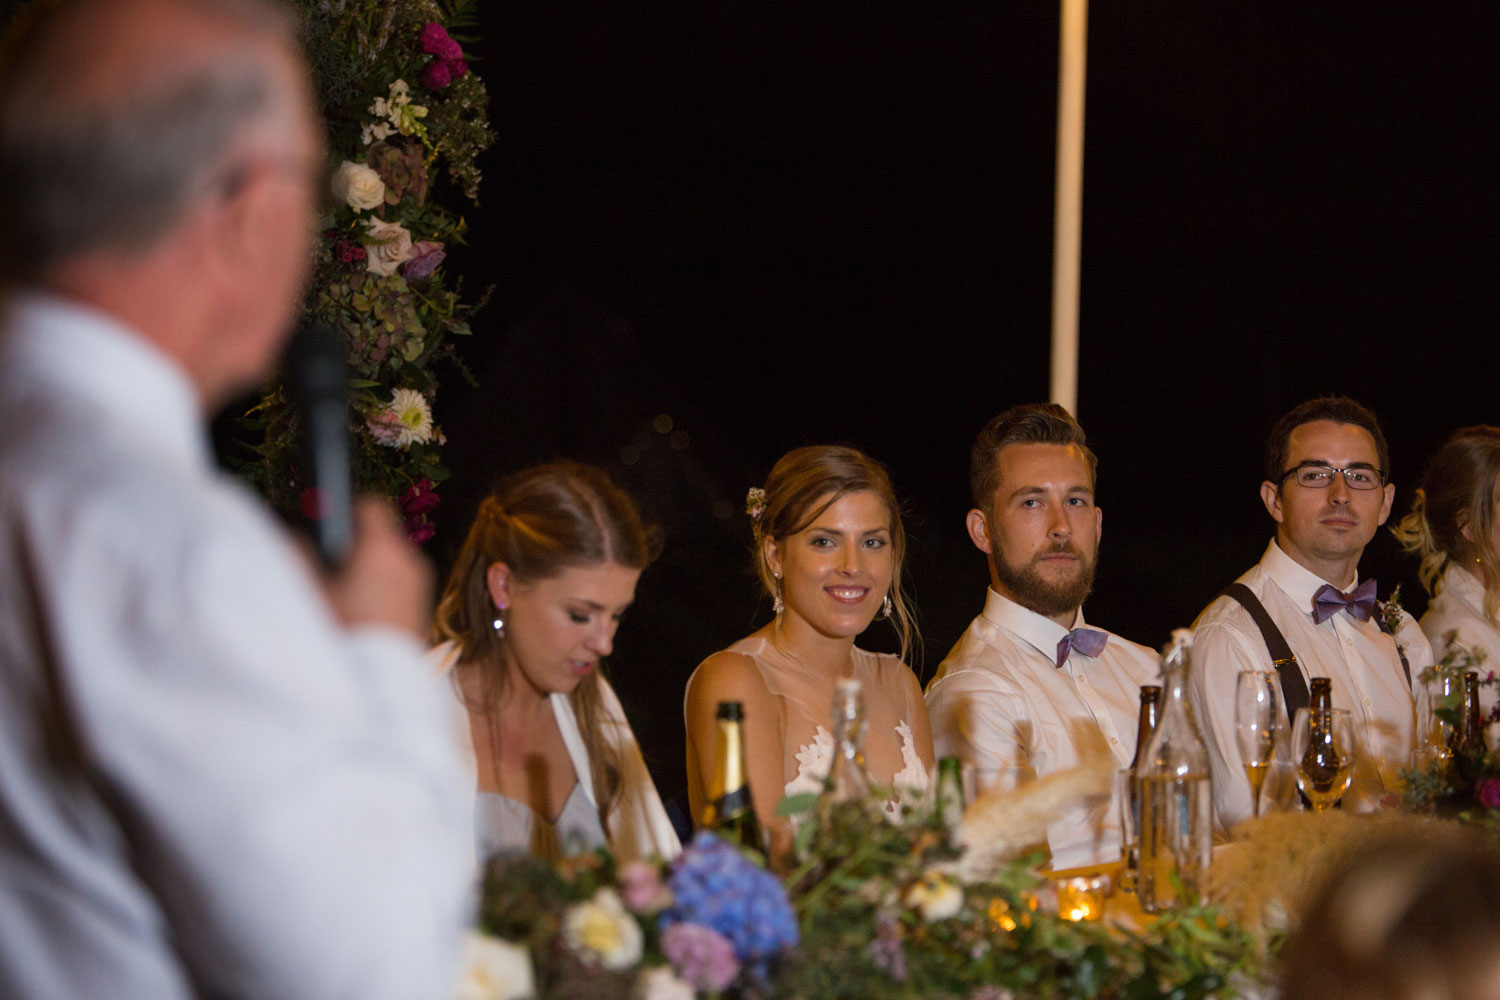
[[716, 886]]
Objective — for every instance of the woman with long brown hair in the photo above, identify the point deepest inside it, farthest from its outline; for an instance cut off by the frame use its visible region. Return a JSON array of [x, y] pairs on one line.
[[527, 617], [829, 545]]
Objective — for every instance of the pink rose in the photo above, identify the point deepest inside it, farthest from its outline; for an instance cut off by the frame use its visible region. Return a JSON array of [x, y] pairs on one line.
[[642, 888], [1487, 793], [425, 257], [388, 245]]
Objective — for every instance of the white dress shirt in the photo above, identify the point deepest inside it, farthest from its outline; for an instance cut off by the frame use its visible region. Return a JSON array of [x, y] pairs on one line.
[[207, 787], [1459, 607], [1357, 656], [999, 702]]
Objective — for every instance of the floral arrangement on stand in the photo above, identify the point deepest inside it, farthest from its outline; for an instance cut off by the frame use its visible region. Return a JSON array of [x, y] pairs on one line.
[[1462, 785], [871, 908], [406, 120]]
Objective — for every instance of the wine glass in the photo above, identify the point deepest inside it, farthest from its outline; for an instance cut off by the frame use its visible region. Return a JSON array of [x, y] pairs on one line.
[[1324, 749], [1255, 721]]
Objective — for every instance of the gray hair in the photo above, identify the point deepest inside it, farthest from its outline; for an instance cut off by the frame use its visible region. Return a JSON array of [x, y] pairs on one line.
[[115, 171]]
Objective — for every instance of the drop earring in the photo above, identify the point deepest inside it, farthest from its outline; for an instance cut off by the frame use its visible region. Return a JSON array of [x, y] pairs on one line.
[[776, 603], [499, 623], [885, 606]]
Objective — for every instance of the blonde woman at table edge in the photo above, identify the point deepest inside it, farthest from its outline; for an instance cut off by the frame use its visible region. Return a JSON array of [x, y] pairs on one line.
[[525, 621], [829, 545], [1454, 527]]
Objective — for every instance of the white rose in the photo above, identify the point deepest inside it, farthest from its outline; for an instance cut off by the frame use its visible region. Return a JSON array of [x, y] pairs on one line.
[[388, 247], [357, 186], [936, 896], [600, 930], [494, 970]]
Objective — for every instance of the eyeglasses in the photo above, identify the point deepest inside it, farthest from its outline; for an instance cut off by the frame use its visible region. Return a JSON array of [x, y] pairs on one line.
[[1319, 477]]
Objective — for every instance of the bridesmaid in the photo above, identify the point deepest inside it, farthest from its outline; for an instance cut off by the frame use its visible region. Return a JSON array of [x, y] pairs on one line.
[[1454, 526], [526, 619], [828, 548]]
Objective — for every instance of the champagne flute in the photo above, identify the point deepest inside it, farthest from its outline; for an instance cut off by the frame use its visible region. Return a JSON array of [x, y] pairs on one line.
[[1255, 721], [1323, 744]]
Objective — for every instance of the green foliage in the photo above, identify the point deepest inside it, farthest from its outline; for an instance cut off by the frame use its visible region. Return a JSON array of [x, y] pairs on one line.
[[422, 141]]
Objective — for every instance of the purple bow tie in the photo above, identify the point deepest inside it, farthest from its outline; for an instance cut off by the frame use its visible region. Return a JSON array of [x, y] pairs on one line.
[[1329, 600], [1088, 641]]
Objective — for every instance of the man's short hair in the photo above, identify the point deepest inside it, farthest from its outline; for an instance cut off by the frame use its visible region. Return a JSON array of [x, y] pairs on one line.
[[1029, 423], [1339, 409], [117, 171]]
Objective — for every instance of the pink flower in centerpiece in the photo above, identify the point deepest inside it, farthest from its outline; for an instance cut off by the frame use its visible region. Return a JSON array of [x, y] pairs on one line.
[[425, 257], [385, 427], [1487, 793], [701, 955], [642, 888], [448, 57], [437, 42]]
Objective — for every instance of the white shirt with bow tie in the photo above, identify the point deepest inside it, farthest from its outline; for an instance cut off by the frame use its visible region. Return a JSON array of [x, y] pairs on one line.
[[1001, 704], [1357, 656]]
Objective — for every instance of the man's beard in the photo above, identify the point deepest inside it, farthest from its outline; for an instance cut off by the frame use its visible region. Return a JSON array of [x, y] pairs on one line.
[[1049, 600]]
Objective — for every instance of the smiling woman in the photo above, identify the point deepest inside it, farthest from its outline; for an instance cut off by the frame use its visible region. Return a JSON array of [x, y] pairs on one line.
[[829, 548], [528, 615]]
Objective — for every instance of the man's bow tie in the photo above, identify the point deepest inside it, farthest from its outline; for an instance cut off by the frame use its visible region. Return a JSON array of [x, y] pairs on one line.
[[1329, 600], [1088, 641]]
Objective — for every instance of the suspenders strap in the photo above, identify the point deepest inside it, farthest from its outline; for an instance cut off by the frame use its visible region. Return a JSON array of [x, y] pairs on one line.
[[1293, 687]]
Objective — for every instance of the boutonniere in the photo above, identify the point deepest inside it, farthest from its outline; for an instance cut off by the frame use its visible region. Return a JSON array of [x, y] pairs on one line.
[[1390, 612]]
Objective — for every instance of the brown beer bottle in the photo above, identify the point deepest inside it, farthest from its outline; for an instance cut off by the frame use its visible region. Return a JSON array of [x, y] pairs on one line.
[[1150, 712], [729, 810], [1319, 764], [1468, 756]]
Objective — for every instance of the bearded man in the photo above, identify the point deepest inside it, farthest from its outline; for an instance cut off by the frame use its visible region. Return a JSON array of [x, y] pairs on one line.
[[1029, 689]]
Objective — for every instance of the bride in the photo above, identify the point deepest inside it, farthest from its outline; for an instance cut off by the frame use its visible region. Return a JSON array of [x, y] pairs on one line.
[[829, 546]]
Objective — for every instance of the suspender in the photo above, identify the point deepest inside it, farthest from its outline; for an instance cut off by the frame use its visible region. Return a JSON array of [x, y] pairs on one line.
[[1293, 687]]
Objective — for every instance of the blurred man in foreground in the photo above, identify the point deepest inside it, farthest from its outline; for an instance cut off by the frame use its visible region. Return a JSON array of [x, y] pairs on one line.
[[219, 775]]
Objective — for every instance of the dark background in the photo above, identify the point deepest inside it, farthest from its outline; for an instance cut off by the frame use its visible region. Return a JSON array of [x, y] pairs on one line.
[[718, 231]]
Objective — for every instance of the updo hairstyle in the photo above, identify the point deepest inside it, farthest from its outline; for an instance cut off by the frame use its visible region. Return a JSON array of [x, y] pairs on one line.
[[1458, 490], [540, 522], [826, 473]]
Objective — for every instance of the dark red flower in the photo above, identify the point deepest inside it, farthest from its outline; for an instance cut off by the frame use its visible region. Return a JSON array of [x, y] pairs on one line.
[[437, 75], [420, 531], [437, 42], [419, 500], [1487, 793]]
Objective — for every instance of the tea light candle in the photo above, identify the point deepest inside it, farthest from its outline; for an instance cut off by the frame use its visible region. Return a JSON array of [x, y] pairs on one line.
[[1081, 897]]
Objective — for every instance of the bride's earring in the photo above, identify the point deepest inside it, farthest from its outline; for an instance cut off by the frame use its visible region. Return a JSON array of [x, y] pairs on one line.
[[885, 606], [777, 605]]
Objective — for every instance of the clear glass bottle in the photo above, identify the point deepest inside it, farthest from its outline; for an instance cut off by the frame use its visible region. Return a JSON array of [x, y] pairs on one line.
[[847, 780], [949, 795], [1177, 811]]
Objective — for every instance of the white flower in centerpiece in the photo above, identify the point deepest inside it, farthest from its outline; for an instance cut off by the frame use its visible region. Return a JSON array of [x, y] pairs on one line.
[[660, 983], [494, 970], [358, 186], [389, 245], [601, 930], [413, 417], [937, 896]]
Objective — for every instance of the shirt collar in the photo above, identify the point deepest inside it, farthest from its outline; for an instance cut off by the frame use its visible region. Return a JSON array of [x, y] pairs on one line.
[[1295, 580], [1037, 631], [89, 353]]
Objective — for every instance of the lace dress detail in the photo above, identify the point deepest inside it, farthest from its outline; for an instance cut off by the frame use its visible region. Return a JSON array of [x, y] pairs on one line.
[[910, 784]]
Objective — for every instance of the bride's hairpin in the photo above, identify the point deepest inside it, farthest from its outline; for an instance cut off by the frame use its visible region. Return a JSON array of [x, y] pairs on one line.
[[755, 503]]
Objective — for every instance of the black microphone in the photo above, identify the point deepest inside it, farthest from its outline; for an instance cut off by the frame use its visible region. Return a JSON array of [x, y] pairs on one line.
[[317, 384]]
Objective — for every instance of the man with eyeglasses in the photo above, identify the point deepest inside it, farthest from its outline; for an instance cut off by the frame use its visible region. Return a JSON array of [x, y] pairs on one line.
[[1303, 612]]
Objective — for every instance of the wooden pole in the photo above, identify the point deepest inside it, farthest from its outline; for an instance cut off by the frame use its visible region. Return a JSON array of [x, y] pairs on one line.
[[1067, 237]]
